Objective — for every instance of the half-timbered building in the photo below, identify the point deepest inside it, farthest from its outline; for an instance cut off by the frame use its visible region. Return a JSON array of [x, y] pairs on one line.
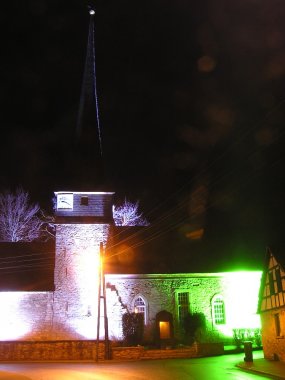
[[272, 307]]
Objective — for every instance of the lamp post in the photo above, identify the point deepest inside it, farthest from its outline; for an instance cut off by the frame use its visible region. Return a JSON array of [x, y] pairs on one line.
[[102, 296]]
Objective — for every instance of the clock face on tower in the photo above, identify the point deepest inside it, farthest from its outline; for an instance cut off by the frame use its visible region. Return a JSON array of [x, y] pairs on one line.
[[65, 201]]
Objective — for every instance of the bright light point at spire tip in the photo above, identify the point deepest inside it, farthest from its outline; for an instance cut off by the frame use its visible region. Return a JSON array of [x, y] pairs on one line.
[[91, 12]]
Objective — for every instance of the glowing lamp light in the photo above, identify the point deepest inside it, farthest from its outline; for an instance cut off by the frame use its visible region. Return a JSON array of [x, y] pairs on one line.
[[86, 328], [244, 288], [89, 265], [241, 298], [87, 279], [164, 330]]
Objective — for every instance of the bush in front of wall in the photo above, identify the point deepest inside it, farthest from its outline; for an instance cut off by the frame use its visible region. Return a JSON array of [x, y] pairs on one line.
[[133, 328]]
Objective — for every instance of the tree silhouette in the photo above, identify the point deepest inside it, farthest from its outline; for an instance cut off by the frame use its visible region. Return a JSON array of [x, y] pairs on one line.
[[20, 220], [128, 215]]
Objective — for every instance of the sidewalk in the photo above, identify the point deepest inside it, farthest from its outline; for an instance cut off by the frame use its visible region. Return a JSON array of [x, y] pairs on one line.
[[262, 366]]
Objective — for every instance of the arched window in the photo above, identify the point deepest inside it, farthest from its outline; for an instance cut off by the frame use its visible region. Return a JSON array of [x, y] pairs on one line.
[[218, 309], [140, 306]]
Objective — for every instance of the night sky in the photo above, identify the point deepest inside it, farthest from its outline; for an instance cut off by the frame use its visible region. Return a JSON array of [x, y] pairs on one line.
[[192, 110]]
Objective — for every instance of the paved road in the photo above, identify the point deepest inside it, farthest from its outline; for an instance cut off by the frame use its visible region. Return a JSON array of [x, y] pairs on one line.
[[215, 368]]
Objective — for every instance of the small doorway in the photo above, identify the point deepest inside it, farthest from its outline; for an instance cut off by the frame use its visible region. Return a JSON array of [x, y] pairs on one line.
[[164, 329]]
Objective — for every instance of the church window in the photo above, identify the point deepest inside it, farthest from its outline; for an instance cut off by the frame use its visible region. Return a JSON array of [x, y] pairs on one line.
[[140, 306], [218, 309], [183, 306]]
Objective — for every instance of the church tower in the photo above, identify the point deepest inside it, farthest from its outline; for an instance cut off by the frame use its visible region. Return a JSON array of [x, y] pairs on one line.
[[83, 220]]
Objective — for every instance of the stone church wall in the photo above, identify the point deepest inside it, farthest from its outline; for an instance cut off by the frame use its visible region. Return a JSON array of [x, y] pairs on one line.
[[64, 315], [76, 279], [160, 293]]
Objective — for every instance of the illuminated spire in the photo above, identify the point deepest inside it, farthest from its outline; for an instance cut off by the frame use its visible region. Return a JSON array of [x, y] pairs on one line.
[[88, 132], [88, 116]]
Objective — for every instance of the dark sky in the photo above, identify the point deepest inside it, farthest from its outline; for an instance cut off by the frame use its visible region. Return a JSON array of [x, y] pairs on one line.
[[191, 100]]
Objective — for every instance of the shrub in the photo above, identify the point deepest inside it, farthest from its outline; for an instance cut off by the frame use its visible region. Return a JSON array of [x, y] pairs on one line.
[[133, 328], [241, 335], [192, 324]]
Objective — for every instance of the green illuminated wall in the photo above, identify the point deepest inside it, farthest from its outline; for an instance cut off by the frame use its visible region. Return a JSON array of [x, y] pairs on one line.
[[239, 291]]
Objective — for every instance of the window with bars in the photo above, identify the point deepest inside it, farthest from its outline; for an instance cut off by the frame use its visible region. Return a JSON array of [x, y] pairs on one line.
[[183, 306], [218, 307]]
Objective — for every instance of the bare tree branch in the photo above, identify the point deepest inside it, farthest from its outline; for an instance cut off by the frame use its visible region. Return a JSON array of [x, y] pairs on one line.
[[128, 215], [20, 220]]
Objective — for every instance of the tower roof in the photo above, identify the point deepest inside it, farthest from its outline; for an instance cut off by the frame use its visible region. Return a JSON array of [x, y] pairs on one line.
[[84, 159], [88, 116]]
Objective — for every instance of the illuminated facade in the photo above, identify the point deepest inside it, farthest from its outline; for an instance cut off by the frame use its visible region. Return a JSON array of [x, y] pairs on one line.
[[272, 308], [227, 300], [83, 223]]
